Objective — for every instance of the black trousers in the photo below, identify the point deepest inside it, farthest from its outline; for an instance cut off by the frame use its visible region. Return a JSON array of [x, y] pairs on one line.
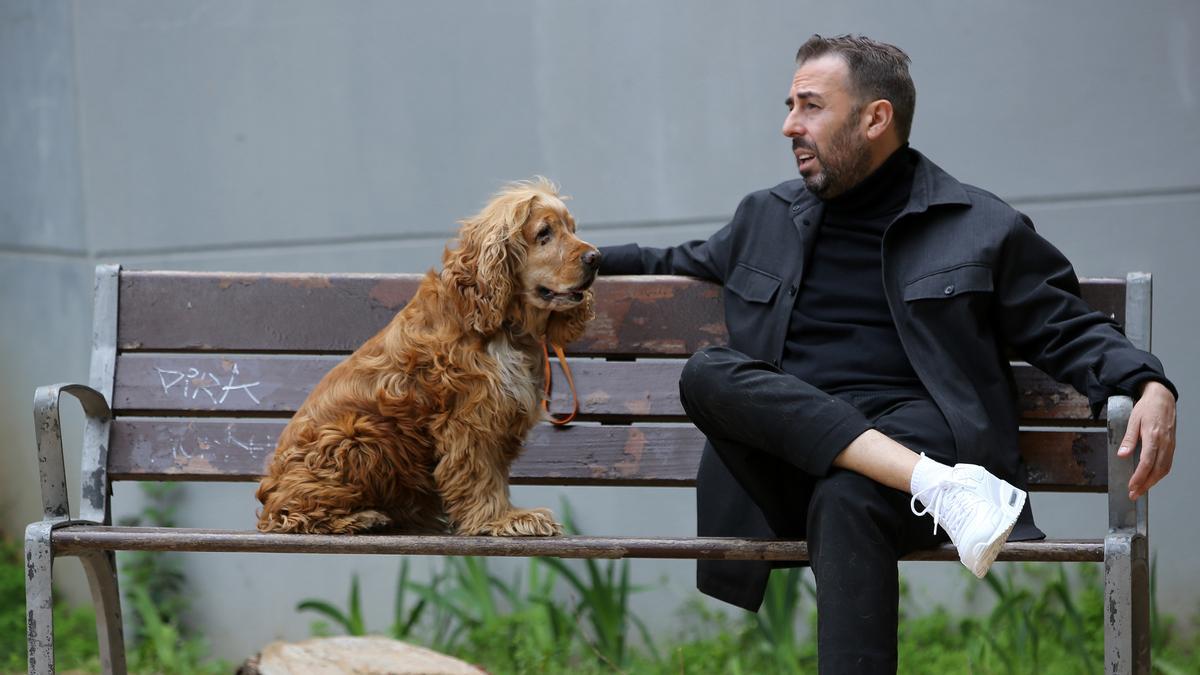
[[778, 436]]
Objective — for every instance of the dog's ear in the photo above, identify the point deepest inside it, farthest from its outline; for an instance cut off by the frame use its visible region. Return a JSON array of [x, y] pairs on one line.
[[483, 269], [566, 327]]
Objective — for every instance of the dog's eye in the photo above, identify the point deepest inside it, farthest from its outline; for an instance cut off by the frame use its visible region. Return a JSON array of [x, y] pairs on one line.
[[543, 235]]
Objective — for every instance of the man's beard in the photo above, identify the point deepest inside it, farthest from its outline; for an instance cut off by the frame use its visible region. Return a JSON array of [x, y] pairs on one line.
[[845, 163]]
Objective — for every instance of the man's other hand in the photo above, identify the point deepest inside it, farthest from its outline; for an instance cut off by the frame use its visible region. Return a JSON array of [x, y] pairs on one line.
[[1152, 421]]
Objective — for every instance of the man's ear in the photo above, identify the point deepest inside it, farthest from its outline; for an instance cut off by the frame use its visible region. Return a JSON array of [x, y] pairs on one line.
[[879, 116]]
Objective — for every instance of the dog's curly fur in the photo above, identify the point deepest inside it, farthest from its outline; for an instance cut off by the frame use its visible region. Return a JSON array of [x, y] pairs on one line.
[[416, 430]]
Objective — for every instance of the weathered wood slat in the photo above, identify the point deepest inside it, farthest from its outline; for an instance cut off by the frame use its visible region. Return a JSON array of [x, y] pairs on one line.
[[164, 311], [258, 383], [238, 312], [667, 455], [1065, 461], [228, 450], [76, 539], [278, 383], [1041, 399]]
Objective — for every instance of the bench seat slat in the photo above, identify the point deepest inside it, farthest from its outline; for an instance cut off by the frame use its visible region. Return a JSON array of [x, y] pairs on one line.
[[240, 312], [76, 539], [626, 390], [580, 454]]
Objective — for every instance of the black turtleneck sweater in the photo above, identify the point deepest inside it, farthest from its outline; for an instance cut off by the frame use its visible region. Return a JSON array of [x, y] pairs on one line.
[[841, 337]]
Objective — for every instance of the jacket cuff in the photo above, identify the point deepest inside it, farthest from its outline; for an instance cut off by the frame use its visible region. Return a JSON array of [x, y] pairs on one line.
[[621, 259], [1099, 388], [1133, 385]]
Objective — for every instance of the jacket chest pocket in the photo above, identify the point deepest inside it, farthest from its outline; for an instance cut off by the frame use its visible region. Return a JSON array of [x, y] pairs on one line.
[[749, 312], [951, 283], [752, 284]]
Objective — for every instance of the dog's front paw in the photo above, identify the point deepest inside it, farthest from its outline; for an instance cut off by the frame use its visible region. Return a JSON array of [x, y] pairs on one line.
[[525, 523]]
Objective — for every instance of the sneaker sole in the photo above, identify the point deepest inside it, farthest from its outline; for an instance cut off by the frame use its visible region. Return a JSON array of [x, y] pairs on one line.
[[985, 559]]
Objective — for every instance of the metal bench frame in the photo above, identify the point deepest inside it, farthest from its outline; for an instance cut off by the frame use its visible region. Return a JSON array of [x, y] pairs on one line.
[[91, 537]]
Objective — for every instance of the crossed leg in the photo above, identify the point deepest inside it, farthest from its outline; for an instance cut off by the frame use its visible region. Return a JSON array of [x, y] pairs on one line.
[[818, 468]]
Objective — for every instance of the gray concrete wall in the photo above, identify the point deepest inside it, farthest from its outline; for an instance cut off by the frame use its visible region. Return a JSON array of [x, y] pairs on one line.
[[293, 136]]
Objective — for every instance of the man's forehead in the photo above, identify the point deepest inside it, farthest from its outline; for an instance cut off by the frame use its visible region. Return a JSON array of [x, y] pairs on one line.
[[821, 75]]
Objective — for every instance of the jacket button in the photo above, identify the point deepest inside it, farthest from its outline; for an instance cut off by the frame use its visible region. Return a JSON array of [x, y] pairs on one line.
[[949, 289], [796, 209], [792, 290]]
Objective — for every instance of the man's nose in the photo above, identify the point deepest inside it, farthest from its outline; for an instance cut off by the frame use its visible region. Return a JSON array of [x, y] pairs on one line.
[[792, 127], [591, 258]]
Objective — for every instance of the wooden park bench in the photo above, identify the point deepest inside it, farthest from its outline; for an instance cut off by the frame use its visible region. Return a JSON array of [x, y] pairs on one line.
[[193, 375]]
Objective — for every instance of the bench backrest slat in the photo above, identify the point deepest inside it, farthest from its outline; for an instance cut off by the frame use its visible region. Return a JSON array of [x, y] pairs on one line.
[[210, 366], [310, 313], [334, 313], [609, 391], [582, 454]]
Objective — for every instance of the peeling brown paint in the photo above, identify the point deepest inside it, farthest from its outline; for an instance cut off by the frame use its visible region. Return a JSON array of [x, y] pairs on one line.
[[308, 281], [595, 400], [1082, 453], [638, 406], [390, 295], [198, 465], [635, 445], [669, 346], [649, 291], [228, 281]]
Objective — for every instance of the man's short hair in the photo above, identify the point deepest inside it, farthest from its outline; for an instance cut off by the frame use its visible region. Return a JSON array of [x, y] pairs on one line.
[[877, 71]]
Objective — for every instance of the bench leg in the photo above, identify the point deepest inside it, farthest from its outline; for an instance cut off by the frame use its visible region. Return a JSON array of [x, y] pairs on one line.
[[101, 568], [1126, 603], [39, 598]]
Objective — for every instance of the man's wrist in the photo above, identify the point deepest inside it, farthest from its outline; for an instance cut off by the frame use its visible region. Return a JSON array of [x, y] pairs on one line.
[[1146, 386]]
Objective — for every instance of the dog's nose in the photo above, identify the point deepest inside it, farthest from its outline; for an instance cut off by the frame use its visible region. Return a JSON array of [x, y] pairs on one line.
[[591, 258]]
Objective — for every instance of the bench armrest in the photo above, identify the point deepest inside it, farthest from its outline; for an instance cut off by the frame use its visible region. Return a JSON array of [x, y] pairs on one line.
[[51, 466], [1123, 514]]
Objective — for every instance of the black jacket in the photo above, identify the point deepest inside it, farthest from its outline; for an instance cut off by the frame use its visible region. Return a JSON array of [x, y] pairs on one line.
[[964, 273]]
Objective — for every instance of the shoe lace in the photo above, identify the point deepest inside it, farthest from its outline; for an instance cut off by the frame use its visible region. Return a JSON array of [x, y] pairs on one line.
[[952, 498]]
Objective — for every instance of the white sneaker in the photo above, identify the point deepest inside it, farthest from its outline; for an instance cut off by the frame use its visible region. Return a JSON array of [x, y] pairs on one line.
[[976, 509]]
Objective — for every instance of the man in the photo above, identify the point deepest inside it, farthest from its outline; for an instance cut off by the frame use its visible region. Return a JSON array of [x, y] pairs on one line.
[[869, 304]]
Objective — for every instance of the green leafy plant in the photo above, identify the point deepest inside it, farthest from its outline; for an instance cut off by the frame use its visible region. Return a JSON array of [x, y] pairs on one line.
[[507, 625], [777, 621], [467, 610], [464, 599], [1041, 618], [156, 597], [522, 625], [602, 601], [350, 621]]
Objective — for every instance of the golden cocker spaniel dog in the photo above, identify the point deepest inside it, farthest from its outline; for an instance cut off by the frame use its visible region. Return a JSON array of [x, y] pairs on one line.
[[416, 430]]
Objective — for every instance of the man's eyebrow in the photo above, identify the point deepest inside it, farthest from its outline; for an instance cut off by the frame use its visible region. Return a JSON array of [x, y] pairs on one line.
[[800, 95]]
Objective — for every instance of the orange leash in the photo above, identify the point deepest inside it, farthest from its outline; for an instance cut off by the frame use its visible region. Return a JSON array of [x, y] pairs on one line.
[[555, 418]]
